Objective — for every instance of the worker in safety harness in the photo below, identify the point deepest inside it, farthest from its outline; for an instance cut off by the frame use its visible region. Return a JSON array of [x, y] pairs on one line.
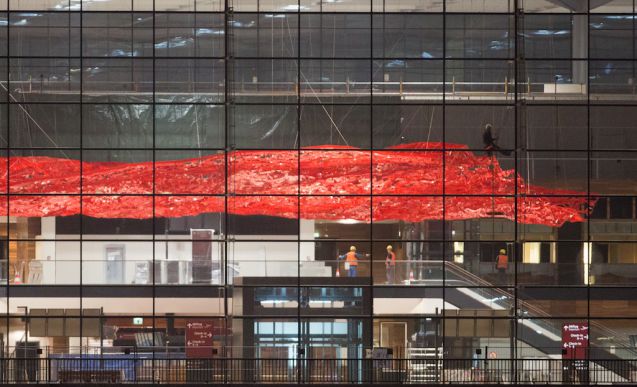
[[351, 261], [490, 140], [501, 265], [390, 265]]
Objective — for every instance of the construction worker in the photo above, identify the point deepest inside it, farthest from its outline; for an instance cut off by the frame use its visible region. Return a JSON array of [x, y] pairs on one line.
[[390, 265], [501, 265], [490, 140], [351, 261]]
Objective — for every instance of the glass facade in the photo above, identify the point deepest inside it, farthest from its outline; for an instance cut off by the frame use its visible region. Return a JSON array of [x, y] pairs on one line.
[[205, 191]]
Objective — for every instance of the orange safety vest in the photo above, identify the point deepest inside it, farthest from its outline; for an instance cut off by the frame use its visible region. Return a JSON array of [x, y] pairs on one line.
[[390, 259], [351, 258], [503, 262]]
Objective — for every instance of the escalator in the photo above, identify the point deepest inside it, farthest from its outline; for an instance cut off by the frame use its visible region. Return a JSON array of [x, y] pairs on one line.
[[538, 329]]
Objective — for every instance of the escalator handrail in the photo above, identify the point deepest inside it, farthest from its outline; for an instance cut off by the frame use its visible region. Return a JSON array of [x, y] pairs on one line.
[[523, 305]]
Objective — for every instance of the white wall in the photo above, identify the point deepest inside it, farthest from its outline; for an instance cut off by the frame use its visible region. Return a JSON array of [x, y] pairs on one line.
[[254, 258], [263, 255], [409, 306]]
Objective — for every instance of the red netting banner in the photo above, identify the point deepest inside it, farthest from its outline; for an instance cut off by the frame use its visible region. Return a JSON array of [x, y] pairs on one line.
[[334, 182]]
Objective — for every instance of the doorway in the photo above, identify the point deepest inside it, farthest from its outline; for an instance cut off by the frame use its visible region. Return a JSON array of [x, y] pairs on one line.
[[393, 335], [115, 264]]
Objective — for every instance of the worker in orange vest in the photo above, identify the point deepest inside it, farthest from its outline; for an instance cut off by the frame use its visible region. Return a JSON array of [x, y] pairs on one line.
[[501, 265], [390, 265], [351, 261]]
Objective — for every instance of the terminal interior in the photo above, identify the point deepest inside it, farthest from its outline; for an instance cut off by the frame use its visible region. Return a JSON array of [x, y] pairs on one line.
[[308, 121]]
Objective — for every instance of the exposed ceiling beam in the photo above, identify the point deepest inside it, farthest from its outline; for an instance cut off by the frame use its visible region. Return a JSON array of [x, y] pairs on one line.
[[579, 5]]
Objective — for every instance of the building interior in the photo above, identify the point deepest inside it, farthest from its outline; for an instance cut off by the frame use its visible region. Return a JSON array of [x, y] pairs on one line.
[[318, 191]]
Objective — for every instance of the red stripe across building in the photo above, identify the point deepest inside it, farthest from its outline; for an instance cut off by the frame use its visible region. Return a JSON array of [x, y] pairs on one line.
[[335, 183]]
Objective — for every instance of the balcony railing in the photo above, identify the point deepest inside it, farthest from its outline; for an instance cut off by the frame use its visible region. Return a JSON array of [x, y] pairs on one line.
[[155, 368]]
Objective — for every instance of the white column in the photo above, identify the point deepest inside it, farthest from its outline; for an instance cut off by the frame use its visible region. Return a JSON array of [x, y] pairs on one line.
[[580, 49], [45, 250], [308, 249]]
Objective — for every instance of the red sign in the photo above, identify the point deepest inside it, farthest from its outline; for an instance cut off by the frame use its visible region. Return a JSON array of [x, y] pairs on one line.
[[575, 341], [199, 335]]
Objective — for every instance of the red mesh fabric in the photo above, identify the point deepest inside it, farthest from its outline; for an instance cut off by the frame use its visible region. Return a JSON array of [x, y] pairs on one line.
[[116, 190]]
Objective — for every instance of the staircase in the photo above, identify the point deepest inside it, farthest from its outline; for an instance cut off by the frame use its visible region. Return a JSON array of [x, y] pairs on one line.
[[424, 364], [540, 331]]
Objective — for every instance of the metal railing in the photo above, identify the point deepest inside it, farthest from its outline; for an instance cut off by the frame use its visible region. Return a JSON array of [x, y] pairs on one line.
[[452, 88], [539, 316], [154, 369]]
